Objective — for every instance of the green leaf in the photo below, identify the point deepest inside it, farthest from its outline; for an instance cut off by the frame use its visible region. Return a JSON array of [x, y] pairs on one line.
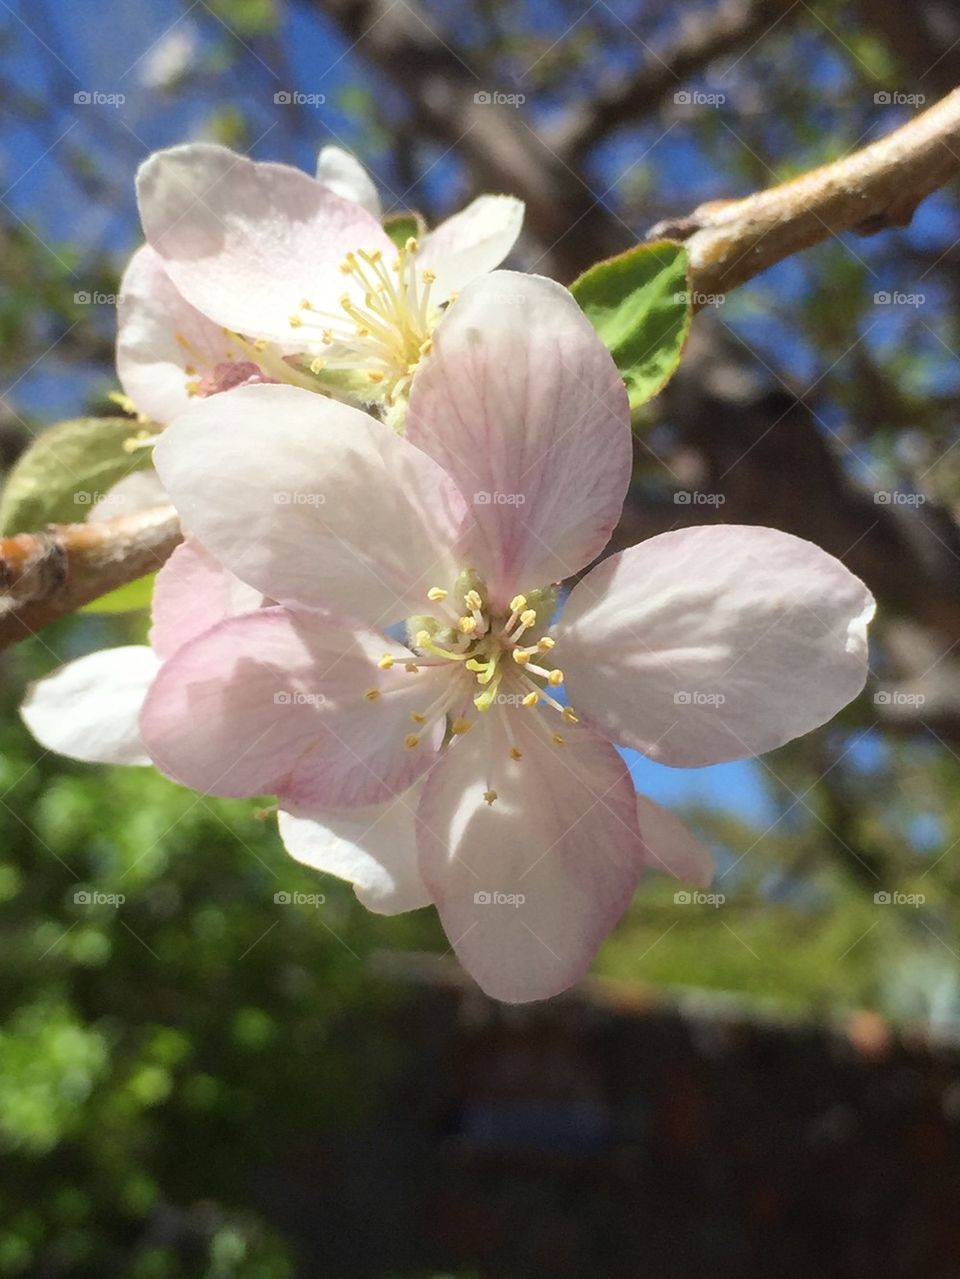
[[401, 226], [125, 599], [67, 470], [639, 303]]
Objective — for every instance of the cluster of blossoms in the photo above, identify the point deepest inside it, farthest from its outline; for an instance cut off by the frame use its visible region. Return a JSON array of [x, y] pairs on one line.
[[368, 617]]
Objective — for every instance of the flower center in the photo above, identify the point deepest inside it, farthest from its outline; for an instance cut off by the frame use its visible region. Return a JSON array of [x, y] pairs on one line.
[[498, 661], [389, 319]]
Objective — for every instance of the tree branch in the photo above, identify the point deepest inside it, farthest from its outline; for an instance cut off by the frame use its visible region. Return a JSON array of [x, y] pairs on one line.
[[45, 576], [705, 37], [731, 241]]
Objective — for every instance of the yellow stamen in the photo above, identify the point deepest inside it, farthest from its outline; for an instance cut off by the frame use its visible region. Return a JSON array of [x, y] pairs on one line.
[[528, 618], [412, 667], [569, 716], [295, 321], [555, 677], [472, 600], [436, 594], [531, 699], [460, 726], [489, 796], [467, 625], [385, 662], [520, 656], [518, 602], [516, 752], [372, 694], [559, 740], [417, 717], [411, 740], [545, 643]]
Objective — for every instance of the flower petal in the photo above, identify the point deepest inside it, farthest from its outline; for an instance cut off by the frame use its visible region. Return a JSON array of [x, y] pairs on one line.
[[375, 848], [246, 242], [561, 835], [673, 848], [89, 708], [193, 592], [343, 174], [521, 403], [137, 491], [312, 501], [471, 242], [159, 336], [274, 702], [711, 644]]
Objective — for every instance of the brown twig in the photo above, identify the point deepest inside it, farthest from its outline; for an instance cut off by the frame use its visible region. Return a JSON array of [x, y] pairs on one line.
[[44, 576], [731, 241]]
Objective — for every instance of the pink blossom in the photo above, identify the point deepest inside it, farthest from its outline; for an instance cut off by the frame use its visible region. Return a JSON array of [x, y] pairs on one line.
[[260, 263], [471, 782]]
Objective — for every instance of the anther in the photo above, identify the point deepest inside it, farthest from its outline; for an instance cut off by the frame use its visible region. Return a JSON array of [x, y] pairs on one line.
[[521, 656], [528, 617], [467, 625], [545, 643], [489, 796], [417, 717], [555, 677], [460, 726], [411, 740], [372, 694], [516, 752], [531, 699], [472, 600], [385, 662], [374, 376], [569, 716], [559, 740], [518, 602], [412, 667], [436, 594], [295, 322]]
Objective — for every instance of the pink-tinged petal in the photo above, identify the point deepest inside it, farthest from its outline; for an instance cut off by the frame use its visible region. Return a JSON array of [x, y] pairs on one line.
[[374, 848], [273, 702], [164, 345], [89, 708], [246, 242], [528, 887], [674, 850], [312, 501], [346, 177], [521, 403], [193, 592], [471, 242], [711, 644]]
